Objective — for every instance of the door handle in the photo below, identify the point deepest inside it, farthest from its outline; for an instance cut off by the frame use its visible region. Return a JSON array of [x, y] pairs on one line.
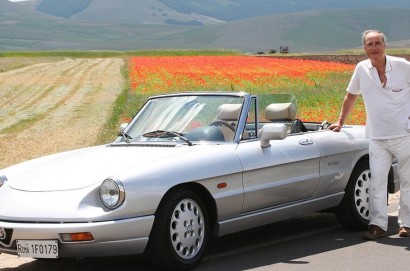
[[306, 141]]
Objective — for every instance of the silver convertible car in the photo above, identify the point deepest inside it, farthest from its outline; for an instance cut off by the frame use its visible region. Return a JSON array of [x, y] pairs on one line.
[[187, 168]]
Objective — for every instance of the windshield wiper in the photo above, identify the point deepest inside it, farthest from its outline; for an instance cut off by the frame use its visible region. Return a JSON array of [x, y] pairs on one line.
[[165, 134], [126, 136]]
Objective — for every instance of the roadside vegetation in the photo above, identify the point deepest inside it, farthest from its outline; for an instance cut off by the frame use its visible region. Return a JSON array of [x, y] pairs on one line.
[[121, 104]]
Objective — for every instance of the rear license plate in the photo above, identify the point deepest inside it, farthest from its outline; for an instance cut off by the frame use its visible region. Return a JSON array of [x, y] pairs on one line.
[[37, 248]]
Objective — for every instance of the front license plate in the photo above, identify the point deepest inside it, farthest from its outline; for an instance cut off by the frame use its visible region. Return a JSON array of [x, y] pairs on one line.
[[37, 248]]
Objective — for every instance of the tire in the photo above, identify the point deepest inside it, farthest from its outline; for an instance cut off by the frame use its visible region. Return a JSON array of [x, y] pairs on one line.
[[353, 211], [180, 232]]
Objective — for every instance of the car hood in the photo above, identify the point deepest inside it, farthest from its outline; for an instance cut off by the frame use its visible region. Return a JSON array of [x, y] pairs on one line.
[[85, 167]]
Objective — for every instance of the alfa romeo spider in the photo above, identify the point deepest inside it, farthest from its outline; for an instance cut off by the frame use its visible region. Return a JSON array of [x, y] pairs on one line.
[[188, 167]]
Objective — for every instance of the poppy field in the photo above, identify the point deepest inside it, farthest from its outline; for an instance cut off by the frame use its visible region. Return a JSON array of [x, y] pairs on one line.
[[319, 87]]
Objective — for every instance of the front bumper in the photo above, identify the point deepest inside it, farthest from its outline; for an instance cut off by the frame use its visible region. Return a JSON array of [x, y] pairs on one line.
[[111, 238]]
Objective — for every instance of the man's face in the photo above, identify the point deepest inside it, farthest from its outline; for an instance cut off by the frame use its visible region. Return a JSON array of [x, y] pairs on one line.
[[374, 46]]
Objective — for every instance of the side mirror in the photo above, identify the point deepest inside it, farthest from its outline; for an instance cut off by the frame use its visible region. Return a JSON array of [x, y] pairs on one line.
[[122, 128], [272, 132]]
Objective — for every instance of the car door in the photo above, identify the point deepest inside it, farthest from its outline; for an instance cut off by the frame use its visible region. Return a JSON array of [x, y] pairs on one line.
[[285, 172]]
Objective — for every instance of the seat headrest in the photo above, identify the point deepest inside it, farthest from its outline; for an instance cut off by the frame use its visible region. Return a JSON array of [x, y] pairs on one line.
[[280, 112], [229, 112]]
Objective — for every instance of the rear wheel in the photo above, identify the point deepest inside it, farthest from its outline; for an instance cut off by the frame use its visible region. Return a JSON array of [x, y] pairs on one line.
[[353, 211], [180, 232]]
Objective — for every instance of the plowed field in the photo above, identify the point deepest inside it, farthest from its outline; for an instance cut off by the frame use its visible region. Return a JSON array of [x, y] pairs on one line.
[[52, 107]]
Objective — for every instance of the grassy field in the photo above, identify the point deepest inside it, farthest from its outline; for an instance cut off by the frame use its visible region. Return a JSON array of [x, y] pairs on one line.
[[319, 87]]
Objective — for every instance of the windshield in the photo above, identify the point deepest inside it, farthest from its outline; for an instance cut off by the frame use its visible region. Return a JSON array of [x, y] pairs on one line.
[[187, 118]]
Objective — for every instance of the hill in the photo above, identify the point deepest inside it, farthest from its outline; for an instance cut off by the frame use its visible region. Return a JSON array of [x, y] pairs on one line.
[[233, 10], [122, 11], [313, 31], [154, 24], [223, 10]]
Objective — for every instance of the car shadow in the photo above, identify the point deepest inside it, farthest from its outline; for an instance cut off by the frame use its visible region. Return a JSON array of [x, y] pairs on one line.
[[284, 242], [289, 241], [137, 262]]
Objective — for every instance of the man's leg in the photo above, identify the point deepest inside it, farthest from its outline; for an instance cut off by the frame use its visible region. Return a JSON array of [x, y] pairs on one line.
[[401, 149], [380, 162]]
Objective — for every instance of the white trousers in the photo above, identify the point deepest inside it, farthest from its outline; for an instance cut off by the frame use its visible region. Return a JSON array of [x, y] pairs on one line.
[[382, 153]]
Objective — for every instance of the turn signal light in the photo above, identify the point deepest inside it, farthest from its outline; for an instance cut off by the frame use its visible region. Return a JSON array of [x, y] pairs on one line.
[[77, 237]]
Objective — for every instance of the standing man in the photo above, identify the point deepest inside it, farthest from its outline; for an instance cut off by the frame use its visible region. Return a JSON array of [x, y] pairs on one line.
[[384, 83]]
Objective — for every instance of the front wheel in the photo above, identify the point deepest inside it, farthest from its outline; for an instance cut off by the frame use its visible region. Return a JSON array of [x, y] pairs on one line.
[[353, 211], [180, 232]]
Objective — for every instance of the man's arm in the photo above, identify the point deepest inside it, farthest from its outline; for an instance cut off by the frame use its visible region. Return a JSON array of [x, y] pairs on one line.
[[347, 107]]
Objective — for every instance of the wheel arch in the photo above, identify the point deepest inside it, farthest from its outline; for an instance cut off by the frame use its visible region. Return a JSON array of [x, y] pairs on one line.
[[363, 158], [207, 198], [391, 184]]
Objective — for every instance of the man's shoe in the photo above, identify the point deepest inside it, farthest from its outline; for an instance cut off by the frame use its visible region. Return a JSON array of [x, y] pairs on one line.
[[404, 232], [375, 232]]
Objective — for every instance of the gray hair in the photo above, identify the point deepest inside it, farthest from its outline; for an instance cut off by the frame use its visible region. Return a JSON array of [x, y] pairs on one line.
[[374, 31]]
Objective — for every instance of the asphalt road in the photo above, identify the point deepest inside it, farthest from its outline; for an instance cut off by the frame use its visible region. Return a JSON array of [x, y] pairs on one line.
[[314, 242]]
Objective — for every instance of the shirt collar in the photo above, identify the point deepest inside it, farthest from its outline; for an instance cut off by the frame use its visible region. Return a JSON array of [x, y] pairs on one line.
[[388, 64]]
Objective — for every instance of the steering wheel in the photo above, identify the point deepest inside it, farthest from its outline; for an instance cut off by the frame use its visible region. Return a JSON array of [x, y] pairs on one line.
[[222, 123]]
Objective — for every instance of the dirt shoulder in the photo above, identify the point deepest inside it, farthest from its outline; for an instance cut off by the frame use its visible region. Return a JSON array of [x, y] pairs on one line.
[[52, 107]]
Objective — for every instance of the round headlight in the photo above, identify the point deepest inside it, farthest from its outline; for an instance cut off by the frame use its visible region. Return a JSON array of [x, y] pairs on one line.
[[112, 193], [3, 179]]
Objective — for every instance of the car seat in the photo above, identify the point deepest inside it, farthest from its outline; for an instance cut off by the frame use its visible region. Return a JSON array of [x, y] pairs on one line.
[[285, 113]]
